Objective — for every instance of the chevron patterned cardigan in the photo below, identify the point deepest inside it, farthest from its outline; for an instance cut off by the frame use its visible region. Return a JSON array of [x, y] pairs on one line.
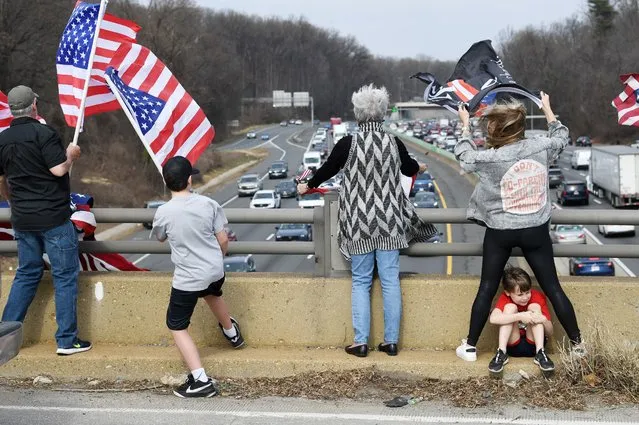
[[374, 212]]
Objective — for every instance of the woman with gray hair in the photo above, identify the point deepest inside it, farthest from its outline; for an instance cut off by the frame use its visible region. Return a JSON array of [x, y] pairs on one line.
[[375, 217]]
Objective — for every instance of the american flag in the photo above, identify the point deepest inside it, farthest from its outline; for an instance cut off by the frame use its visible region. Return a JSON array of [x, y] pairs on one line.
[[72, 60], [627, 102], [5, 113], [165, 116]]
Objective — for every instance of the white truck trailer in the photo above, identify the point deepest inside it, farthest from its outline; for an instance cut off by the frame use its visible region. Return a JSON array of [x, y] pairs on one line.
[[614, 174]]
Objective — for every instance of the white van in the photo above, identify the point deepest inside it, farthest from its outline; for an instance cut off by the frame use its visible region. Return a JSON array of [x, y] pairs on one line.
[[312, 160], [580, 158]]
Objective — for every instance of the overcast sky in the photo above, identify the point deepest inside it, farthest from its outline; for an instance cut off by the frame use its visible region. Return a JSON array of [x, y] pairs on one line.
[[443, 29]]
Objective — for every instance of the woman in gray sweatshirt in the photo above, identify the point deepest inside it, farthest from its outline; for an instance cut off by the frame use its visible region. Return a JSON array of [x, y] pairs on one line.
[[511, 200]]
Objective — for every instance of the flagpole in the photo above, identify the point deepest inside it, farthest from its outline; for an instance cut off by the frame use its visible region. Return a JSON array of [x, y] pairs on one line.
[[134, 123], [83, 101]]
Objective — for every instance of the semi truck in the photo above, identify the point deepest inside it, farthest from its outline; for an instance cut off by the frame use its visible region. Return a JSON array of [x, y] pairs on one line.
[[614, 174]]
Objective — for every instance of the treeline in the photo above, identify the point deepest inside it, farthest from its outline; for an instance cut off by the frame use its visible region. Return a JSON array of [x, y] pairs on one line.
[[232, 62]]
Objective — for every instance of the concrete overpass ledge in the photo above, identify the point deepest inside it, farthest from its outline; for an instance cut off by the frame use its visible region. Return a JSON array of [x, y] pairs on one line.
[[292, 323]]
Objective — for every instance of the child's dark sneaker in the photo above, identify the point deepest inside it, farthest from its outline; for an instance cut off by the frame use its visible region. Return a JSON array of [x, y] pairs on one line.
[[543, 361], [236, 341], [78, 346], [195, 388], [496, 365]]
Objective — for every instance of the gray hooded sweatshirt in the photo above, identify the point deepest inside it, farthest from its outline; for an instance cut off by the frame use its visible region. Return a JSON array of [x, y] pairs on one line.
[[512, 192]]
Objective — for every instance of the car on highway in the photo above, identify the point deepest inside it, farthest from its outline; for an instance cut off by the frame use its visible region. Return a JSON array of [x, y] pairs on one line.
[[430, 139], [479, 139], [567, 234], [423, 183], [449, 143], [248, 184], [572, 192], [154, 205], [298, 122], [265, 137], [10, 340], [425, 200], [580, 159], [266, 199], [311, 200], [251, 135], [555, 177], [616, 229], [294, 232], [591, 266], [239, 263], [286, 189], [278, 170], [284, 124], [583, 141]]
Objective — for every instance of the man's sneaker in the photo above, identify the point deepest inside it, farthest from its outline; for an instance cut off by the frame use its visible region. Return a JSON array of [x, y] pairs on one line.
[[237, 341], [77, 347], [579, 350], [195, 388], [496, 365], [543, 361], [466, 352]]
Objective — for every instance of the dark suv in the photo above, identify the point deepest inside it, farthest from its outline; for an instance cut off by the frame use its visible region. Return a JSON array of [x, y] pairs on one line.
[[572, 191], [583, 141]]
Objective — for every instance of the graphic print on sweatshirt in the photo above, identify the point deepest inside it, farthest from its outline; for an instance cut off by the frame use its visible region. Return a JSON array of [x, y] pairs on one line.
[[524, 187]]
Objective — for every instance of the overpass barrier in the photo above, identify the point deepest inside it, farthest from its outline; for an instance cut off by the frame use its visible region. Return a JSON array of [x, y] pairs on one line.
[[328, 260]]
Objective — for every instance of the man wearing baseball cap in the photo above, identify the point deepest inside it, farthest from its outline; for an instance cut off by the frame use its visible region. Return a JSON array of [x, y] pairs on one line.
[[34, 170]]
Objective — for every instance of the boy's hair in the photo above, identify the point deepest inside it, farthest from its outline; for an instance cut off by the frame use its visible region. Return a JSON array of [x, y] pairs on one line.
[[515, 277]]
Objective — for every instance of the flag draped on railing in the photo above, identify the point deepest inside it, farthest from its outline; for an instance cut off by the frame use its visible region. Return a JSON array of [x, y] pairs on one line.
[[627, 102], [72, 60], [85, 224], [166, 118], [478, 74], [5, 113]]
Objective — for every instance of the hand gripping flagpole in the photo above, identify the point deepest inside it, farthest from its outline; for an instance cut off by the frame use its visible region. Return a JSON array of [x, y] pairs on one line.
[[79, 124]]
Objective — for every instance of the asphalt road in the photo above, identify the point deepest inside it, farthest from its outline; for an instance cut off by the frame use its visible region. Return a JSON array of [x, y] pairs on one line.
[[454, 191]]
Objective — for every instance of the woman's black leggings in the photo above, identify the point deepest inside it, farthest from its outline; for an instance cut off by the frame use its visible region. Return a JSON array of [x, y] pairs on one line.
[[537, 247]]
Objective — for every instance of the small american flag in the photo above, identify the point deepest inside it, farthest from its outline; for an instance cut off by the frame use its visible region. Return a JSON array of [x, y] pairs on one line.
[[627, 102], [5, 113], [167, 119], [72, 60]]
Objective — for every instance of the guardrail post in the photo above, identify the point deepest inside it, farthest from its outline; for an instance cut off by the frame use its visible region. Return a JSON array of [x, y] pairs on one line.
[[322, 236]]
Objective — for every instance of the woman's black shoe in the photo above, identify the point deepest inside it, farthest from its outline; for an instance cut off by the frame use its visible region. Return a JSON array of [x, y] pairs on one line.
[[357, 350], [390, 349]]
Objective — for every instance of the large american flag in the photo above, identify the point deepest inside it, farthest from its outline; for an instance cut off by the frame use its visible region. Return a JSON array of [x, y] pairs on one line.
[[165, 116], [5, 113], [627, 102], [72, 60]]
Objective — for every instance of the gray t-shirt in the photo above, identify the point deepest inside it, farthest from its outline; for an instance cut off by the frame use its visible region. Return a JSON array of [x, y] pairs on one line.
[[190, 224]]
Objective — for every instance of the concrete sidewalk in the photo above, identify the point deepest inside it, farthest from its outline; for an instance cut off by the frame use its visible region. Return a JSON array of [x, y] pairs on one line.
[[135, 363]]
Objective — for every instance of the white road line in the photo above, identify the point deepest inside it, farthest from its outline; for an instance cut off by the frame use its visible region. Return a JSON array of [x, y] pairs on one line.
[[271, 236], [596, 201], [309, 257], [566, 168], [598, 242], [237, 143], [229, 201], [582, 174], [293, 144], [266, 143], [314, 416], [142, 258]]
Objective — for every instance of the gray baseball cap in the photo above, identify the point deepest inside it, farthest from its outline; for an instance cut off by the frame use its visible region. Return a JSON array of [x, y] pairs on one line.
[[20, 97]]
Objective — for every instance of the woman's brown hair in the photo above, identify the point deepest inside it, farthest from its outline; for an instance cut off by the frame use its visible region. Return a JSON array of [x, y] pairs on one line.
[[504, 123]]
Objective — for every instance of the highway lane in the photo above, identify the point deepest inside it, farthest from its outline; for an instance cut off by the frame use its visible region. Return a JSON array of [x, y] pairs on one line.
[[596, 203]]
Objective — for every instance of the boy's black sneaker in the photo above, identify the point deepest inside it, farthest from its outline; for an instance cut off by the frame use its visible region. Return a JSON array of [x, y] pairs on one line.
[[77, 347], [237, 341], [496, 365], [195, 388], [543, 361]]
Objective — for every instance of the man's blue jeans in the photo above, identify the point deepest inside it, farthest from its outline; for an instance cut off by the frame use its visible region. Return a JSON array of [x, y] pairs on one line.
[[61, 245], [388, 270]]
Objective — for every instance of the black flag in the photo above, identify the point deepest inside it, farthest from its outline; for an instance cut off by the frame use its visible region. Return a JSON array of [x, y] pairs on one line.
[[478, 77]]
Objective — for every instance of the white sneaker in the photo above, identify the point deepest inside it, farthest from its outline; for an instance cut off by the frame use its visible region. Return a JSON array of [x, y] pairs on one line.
[[466, 352]]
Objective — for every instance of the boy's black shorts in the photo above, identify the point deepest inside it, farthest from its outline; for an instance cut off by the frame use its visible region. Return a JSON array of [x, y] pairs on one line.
[[182, 304], [523, 347]]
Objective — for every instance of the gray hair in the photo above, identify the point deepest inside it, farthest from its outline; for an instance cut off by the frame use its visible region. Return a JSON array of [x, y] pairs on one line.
[[26, 112], [370, 103]]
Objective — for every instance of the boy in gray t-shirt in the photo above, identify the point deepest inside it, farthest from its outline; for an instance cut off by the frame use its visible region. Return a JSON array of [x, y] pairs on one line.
[[194, 226]]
